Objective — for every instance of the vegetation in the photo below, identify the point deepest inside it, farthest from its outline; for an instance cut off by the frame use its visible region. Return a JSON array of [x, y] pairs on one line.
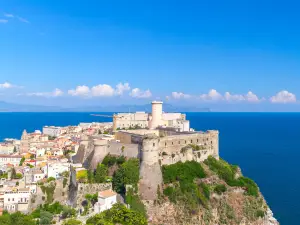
[[72, 222], [51, 138], [22, 161], [45, 218], [16, 219], [50, 179], [101, 173], [82, 176], [128, 173], [182, 172], [110, 160], [65, 181], [30, 166], [182, 188], [227, 172], [135, 202], [49, 191], [118, 214], [220, 188]]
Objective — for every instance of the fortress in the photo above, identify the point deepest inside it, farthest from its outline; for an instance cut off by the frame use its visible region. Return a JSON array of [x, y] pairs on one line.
[[155, 143]]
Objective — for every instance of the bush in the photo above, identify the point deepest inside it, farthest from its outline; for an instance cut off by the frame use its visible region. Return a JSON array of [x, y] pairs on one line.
[[220, 188], [227, 172], [101, 173], [118, 214], [187, 171], [128, 173], [72, 222], [135, 202], [50, 179], [260, 213], [82, 176], [205, 189]]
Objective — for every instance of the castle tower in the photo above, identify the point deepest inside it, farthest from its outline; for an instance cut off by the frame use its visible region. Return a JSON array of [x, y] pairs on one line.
[[150, 172], [24, 135], [115, 122], [214, 138], [156, 114], [98, 154]]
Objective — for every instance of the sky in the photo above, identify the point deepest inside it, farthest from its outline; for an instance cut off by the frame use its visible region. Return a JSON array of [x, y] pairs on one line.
[[227, 55]]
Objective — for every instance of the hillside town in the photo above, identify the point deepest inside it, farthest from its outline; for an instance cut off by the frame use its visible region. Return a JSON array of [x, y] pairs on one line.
[[60, 174]]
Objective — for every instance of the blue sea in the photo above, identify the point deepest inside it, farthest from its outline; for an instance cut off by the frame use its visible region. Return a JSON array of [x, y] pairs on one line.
[[265, 145]]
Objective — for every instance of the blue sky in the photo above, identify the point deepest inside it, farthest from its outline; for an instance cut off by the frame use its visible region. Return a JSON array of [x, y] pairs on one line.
[[228, 55]]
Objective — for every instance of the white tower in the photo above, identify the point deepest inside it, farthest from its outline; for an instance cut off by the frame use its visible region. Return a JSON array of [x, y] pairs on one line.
[[156, 114]]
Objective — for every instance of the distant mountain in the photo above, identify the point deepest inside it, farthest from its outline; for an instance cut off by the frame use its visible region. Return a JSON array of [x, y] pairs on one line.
[[13, 107], [135, 108]]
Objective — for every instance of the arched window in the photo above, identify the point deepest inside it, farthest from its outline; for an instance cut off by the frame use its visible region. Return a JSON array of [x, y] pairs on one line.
[[153, 144]]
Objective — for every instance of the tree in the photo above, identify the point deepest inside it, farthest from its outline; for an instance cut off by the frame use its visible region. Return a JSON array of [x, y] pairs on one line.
[[21, 219], [5, 220], [68, 212], [18, 176], [22, 161], [128, 173], [46, 218], [118, 214], [101, 173], [15, 149], [32, 156], [72, 222]]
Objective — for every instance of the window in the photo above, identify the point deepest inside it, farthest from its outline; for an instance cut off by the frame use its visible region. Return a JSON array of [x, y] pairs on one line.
[[153, 144], [165, 143], [9, 199], [191, 141], [185, 142], [197, 140], [172, 143], [13, 199], [179, 142]]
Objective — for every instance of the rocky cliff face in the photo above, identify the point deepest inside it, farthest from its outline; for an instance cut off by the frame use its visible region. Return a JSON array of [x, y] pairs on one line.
[[220, 203]]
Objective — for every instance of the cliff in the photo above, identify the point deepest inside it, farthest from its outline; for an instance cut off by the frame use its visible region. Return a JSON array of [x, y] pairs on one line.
[[213, 192]]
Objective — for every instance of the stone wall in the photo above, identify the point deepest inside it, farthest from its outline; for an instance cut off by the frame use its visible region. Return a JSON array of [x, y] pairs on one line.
[[83, 189]]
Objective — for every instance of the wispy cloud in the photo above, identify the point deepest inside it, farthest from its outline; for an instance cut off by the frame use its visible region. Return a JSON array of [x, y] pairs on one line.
[[7, 85], [23, 20], [9, 15], [56, 93], [3, 21], [138, 93]]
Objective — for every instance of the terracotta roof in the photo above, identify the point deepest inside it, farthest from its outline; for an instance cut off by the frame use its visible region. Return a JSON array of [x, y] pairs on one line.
[[106, 193]]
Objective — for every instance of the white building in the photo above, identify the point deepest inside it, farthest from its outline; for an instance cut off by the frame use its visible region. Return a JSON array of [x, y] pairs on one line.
[[16, 199], [10, 159], [54, 169], [6, 148], [152, 121], [106, 199], [52, 131], [37, 176]]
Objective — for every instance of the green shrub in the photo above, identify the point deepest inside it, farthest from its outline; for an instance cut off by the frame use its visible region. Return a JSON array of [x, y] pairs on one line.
[[227, 172], [128, 173], [220, 188], [135, 202], [205, 189], [260, 213], [101, 173], [179, 171], [118, 214]]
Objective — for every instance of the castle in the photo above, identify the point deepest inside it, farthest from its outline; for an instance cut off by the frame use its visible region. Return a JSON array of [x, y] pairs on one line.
[[155, 144]]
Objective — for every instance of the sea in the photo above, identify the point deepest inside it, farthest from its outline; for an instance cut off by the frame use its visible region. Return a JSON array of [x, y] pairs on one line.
[[265, 145]]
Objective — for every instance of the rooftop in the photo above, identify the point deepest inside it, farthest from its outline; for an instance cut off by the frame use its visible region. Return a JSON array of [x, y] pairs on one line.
[[106, 193]]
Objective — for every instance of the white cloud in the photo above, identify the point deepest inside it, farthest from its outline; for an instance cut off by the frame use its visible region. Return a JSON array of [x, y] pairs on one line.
[[212, 95], [251, 97], [6, 85], [55, 93], [137, 93], [9, 15], [103, 90], [121, 88], [100, 90], [283, 97], [3, 21], [180, 95], [80, 91]]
